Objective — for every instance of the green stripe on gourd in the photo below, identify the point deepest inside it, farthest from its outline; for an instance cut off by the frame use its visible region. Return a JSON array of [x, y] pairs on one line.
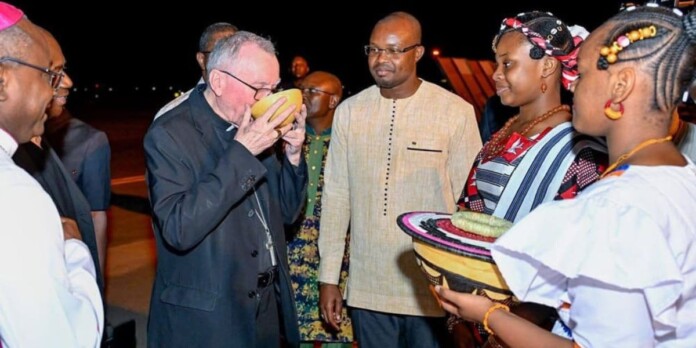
[[481, 224]]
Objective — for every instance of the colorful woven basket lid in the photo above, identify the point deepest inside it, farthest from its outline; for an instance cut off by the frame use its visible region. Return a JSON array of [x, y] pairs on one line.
[[453, 257]]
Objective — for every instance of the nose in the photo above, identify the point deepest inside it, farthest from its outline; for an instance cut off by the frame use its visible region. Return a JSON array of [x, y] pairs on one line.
[[498, 74], [67, 82], [383, 56]]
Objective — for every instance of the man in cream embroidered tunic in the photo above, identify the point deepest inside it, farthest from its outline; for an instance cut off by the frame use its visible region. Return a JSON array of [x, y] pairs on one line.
[[402, 145]]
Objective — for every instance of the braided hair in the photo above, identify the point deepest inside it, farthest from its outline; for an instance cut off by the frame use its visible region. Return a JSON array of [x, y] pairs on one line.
[[549, 36], [668, 55]]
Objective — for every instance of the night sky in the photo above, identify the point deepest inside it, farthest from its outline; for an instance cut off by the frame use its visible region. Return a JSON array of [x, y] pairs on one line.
[[137, 47]]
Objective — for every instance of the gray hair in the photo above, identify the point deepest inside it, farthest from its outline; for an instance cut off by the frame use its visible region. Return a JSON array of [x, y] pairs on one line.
[[14, 42], [211, 30], [226, 50]]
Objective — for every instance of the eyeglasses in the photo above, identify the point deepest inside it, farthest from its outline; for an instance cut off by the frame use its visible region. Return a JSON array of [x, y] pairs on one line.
[[260, 92], [312, 90], [389, 51], [55, 78]]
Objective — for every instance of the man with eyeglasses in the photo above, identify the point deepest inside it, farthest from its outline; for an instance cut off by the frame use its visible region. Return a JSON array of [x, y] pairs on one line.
[[41, 161], [402, 145], [220, 195], [48, 293], [210, 36], [321, 93]]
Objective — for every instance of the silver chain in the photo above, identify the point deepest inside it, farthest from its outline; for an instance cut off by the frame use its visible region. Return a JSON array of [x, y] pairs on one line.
[[264, 223]]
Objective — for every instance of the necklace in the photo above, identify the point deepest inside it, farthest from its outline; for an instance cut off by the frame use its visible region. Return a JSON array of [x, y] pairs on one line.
[[496, 145], [269, 238], [633, 151]]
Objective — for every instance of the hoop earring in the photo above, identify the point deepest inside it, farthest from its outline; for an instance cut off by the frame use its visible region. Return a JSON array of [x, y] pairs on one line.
[[611, 113], [543, 87]]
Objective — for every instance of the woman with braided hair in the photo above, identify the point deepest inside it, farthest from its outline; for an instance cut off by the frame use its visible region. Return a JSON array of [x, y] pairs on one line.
[[535, 54], [622, 269], [537, 156]]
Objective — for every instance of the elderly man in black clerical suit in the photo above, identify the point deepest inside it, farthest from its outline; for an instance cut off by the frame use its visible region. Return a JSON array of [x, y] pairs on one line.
[[220, 194]]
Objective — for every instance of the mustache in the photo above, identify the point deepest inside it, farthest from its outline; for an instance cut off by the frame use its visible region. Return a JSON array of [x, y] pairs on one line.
[[61, 93], [383, 66]]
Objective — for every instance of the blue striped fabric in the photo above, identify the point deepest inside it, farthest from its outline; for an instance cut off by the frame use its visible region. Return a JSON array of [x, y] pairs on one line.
[[538, 176]]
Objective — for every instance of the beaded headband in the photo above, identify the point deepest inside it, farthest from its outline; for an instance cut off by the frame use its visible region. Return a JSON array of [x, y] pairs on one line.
[[542, 46], [609, 54]]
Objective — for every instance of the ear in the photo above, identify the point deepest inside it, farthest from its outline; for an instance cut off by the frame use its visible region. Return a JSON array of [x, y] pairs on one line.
[[216, 82], [420, 51], [3, 82], [333, 102], [622, 84], [550, 65], [200, 58]]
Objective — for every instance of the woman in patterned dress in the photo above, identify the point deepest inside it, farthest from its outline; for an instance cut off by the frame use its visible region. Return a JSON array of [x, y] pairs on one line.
[[621, 269], [537, 156]]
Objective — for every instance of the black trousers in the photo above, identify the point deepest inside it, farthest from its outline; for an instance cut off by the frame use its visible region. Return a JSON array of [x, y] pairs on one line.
[[267, 317], [386, 330]]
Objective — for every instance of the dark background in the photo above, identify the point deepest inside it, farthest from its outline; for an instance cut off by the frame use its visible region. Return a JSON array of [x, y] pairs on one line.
[[127, 44]]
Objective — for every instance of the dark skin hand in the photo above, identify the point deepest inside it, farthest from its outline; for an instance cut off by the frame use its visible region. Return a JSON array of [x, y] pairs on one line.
[[540, 315], [70, 230], [330, 304]]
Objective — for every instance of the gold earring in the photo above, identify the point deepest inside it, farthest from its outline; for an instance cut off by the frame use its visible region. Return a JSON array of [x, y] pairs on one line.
[[543, 87], [611, 113]]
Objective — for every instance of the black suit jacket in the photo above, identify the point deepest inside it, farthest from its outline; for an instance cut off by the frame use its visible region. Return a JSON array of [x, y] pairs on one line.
[[209, 239]]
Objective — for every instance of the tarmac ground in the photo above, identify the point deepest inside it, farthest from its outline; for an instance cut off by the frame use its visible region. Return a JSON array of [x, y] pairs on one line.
[[131, 257]]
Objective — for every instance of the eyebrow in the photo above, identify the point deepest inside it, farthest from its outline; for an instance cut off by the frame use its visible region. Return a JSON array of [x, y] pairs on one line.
[[265, 84], [505, 54]]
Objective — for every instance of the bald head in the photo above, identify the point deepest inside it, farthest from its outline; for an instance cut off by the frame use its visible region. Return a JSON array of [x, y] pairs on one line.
[[404, 20], [54, 50], [394, 50], [321, 93], [327, 81]]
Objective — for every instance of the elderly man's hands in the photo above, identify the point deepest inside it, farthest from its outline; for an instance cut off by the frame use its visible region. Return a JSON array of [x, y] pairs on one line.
[[295, 137], [260, 134]]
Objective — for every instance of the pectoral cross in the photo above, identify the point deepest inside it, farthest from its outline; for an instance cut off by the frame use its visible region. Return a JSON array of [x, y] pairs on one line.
[[269, 246]]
